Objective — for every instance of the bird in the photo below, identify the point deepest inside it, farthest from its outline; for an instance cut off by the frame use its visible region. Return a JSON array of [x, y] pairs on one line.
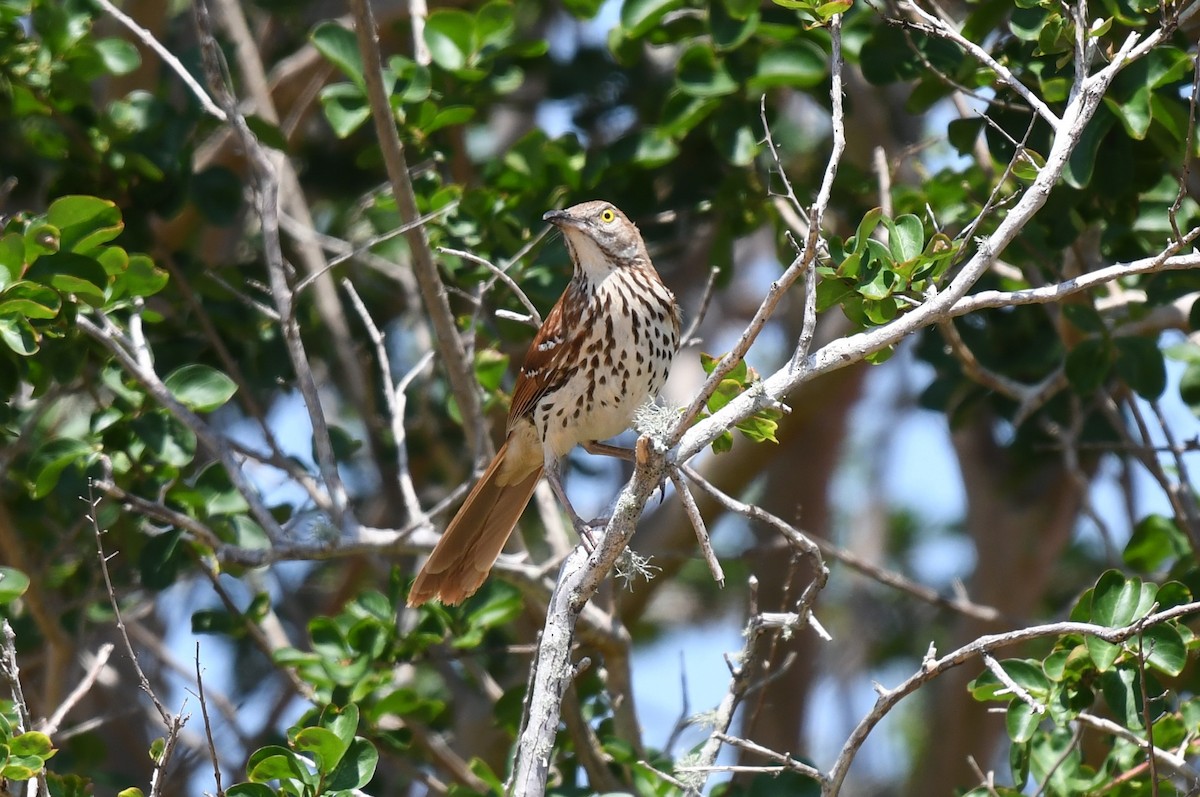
[[604, 350]]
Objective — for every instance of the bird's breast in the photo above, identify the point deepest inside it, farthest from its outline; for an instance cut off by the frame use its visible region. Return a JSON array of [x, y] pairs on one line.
[[629, 338]]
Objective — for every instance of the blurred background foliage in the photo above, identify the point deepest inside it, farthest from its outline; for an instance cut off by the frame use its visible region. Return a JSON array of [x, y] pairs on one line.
[[127, 205]]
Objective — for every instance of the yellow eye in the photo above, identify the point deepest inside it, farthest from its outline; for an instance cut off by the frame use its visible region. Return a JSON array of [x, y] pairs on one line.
[[607, 216]]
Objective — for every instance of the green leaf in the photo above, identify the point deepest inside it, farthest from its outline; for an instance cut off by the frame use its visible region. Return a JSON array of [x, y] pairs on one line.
[[963, 133], [339, 45], [31, 743], [449, 33], [140, 278], [503, 606], [325, 746], [71, 273], [344, 724], [1163, 648], [12, 259], [132, 791], [345, 106], [19, 335], [730, 32], [1021, 721], [1026, 673], [119, 56], [1088, 364], [1140, 365], [413, 82], [702, 74], [906, 237], [160, 559], [13, 584], [1154, 540], [799, 64], [736, 142], [1189, 387], [654, 149], [200, 387], [165, 438], [446, 117], [832, 292], [1124, 697], [1028, 165], [274, 762], [639, 17], [250, 790], [41, 238], [866, 226], [683, 112], [1082, 163], [267, 133], [84, 222], [1084, 317], [740, 9], [31, 300], [1117, 601], [52, 457], [357, 766], [490, 369]]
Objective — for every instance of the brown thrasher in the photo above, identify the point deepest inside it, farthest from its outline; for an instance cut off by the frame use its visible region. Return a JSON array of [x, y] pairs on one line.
[[602, 352]]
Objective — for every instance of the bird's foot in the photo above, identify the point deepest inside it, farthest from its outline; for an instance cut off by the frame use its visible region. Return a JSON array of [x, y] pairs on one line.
[[587, 530]]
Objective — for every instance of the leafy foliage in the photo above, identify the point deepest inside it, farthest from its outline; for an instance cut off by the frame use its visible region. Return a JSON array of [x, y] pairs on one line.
[[141, 356]]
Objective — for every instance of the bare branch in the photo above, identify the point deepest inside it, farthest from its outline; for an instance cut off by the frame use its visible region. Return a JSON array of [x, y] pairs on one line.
[[693, 514], [172, 722], [501, 275], [99, 662], [433, 292], [168, 58], [933, 667], [944, 30], [212, 747], [688, 338]]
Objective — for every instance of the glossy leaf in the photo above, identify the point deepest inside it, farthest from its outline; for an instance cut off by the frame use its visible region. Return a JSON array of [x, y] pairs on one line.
[[639, 16], [702, 74], [449, 33], [340, 47], [13, 584], [199, 387], [799, 64]]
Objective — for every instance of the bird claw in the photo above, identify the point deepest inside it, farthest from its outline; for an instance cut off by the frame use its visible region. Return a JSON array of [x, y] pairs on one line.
[[586, 529]]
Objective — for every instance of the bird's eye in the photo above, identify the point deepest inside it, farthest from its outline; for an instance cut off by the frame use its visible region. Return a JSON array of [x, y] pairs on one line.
[[607, 216]]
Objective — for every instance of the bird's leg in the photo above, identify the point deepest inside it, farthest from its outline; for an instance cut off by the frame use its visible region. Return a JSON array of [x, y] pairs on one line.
[[620, 452], [582, 527], [608, 450]]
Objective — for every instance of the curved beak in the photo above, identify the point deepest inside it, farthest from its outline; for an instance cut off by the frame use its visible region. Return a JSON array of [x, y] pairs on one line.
[[561, 218]]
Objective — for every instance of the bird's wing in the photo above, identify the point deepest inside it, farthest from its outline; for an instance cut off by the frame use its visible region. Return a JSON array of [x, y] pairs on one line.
[[550, 361]]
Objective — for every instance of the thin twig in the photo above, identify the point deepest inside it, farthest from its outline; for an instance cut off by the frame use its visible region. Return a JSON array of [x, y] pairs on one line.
[[168, 58], [99, 662], [934, 667], [688, 338], [266, 185], [693, 514], [433, 291], [212, 747], [12, 674], [501, 275], [173, 722], [1015, 688], [944, 30], [394, 400], [800, 540]]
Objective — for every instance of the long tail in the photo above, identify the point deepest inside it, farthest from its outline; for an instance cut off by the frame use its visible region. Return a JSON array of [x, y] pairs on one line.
[[464, 556]]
